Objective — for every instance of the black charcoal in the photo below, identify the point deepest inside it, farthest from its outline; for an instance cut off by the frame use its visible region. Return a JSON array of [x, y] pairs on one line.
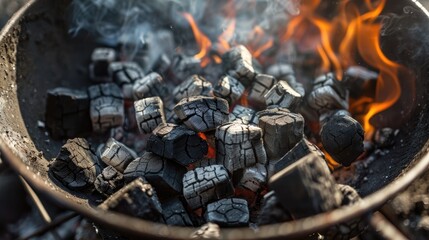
[[327, 116], [109, 181], [99, 67], [239, 146], [283, 95], [177, 142], [300, 150], [137, 199], [328, 94], [342, 137], [229, 212], [202, 114], [67, 113], [184, 66], [237, 62], [317, 192], [243, 115], [272, 211], [125, 72], [106, 106], [163, 174], [259, 87], [254, 178], [151, 85], [76, 166], [194, 85], [175, 214], [117, 155], [206, 184], [229, 88], [149, 113], [282, 131]]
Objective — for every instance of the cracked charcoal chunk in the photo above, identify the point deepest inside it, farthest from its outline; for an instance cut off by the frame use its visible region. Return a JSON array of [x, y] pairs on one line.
[[254, 178], [272, 211], [243, 115], [175, 214], [328, 94], [207, 231], [177, 142], [125, 72], [99, 68], [149, 113], [184, 66], [151, 85], [230, 212], [342, 137], [327, 116], [283, 95], [282, 131], [76, 166], [360, 81], [195, 85], [137, 199], [206, 184], [106, 106], [239, 146], [67, 113], [300, 150], [237, 63], [117, 155], [317, 192], [229, 89], [109, 181], [164, 175], [202, 114], [352, 228], [260, 86]]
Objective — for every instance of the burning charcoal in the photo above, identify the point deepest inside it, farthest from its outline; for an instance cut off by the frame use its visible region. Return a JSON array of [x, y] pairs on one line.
[[149, 113], [109, 181], [317, 192], [359, 80], [151, 85], [164, 175], [184, 66], [99, 68], [177, 142], [300, 150], [282, 131], [229, 212], [202, 114], [76, 166], [272, 211], [260, 86], [117, 155], [106, 107], [385, 137], [237, 62], [352, 228], [229, 88], [206, 184], [342, 137], [243, 115], [125, 72], [254, 178], [67, 113], [195, 85], [207, 231], [239, 146], [327, 116], [280, 71], [137, 199], [283, 95], [175, 214], [328, 94]]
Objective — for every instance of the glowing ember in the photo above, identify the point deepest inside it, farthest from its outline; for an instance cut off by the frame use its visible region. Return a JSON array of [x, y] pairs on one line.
[[202, 40], [211, 151]]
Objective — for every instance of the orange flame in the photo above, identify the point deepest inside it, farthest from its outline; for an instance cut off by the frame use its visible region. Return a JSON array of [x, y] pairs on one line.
[[202, 40], [259, 42], [345, 37]]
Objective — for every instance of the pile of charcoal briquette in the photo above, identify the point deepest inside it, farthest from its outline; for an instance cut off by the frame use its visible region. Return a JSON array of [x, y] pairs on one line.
[[181, 150]]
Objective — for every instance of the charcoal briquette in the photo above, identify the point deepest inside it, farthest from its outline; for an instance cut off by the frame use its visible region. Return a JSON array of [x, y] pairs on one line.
[[125, 72], [151, 85], [229, 89], [237, 62], [260, 86], [194, 85], [175, 214], [149, 113], [99, 67], [228, 212], [109, 181], [117, 155], [184, 66], [243, 115], [272, 211], [283, 95]]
